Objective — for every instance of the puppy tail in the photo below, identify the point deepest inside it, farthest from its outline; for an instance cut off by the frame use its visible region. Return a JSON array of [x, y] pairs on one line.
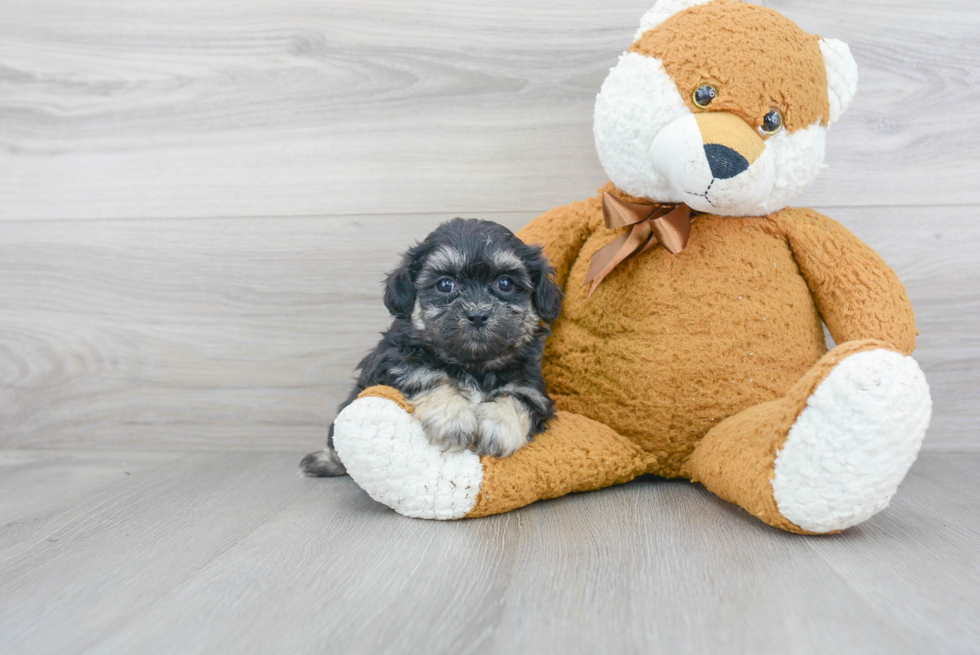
[[322, 464]]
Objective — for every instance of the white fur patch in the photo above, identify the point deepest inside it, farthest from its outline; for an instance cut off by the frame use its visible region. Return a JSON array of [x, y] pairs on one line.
[[852, 445], [531, 394], [504, 425], [417, 321], [637, 100], [842, 76], [445, 259], [388, 455], [505, 260], [678, 156], [446, 416], [797, 159], [677, 153], [661, 11]]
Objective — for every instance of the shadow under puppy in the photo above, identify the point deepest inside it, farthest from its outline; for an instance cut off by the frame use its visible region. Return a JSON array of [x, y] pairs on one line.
[[472, 304]]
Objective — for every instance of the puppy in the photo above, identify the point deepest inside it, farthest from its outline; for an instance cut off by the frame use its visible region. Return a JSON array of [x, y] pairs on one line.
[[471, 306]]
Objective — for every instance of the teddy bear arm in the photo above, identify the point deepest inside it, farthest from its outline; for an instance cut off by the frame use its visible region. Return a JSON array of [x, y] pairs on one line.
[[574, 454], [561, 232], [857, 294]]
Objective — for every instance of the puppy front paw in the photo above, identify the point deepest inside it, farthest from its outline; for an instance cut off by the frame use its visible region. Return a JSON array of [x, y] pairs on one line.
[[505, 426], [446, 418]]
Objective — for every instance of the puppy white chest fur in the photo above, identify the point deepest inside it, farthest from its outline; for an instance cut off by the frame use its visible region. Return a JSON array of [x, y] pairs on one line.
[[461, 417]]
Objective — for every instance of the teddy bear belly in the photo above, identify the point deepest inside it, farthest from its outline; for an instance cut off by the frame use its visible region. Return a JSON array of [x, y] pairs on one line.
[[671, 345]]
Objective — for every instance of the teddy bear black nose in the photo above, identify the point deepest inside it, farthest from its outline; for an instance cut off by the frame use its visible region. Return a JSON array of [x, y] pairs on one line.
[[477, 317], [724, 161]]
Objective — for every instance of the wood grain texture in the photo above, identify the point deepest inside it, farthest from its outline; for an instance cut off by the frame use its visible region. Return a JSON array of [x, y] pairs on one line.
[[234, 553], [124, 109], [52, 488], [243, 334], [945, 613]]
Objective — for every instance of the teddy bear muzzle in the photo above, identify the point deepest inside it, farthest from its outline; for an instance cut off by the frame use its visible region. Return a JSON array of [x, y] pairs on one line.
[[715, 161]]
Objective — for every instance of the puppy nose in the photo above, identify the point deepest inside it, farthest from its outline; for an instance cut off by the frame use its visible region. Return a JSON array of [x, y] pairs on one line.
[[725, 162], [477, 317]]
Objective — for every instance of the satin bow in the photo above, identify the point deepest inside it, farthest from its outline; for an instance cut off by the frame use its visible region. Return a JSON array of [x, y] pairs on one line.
[[653, 223]]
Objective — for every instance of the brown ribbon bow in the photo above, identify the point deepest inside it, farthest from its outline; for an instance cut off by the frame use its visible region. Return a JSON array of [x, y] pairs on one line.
[[653, 223]]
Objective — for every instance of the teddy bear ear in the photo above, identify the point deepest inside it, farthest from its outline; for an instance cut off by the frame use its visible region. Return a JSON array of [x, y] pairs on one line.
[[663, 10], [842, 76]]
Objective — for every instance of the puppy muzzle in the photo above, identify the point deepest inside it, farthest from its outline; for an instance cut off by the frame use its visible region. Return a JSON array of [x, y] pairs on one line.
[[475, 315], [715, 162]]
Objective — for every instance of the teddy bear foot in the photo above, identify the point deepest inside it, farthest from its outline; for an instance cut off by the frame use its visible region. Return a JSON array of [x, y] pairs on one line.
[[387, 454], [852, 445]]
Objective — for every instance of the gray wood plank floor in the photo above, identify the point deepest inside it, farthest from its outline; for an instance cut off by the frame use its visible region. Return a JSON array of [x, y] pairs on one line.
[[135, 552]]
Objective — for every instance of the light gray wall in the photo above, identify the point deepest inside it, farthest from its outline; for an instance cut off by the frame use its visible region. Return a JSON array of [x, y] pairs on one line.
[[199, 200]]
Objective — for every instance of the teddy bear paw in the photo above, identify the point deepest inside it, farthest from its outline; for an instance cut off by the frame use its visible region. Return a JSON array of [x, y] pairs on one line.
[[852, 445], [388, 455]]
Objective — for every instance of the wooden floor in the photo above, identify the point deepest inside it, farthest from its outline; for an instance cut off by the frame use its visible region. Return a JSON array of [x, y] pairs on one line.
[[136, 552]]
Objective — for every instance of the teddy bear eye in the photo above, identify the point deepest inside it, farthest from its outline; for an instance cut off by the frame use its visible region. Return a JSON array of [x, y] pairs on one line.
[[703, 95], [445, 285], [772, 123]]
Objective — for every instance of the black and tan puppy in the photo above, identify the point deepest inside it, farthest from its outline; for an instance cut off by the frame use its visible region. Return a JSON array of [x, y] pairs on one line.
[[472, 304]]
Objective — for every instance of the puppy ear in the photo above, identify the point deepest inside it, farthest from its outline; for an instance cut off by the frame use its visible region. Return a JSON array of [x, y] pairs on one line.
[[547, 299], [400, 285], [400, 292], [547, 295]]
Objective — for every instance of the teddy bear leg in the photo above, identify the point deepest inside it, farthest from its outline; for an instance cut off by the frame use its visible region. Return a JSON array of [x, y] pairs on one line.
[[388, 455], [832, 452]]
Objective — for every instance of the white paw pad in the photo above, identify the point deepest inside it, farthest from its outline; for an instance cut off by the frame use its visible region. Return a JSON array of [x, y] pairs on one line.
[[852, 445], [387, 454]]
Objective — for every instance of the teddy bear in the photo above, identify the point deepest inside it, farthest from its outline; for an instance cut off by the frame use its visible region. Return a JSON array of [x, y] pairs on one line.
[[691, 343]]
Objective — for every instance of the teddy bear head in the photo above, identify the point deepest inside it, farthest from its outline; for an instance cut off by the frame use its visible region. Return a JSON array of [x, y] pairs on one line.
[[722, 105]]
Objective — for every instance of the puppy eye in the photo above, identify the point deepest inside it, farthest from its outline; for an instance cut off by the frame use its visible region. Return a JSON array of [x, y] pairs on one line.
[[703, 95], [505, 284], [445, 285], [772, 123]]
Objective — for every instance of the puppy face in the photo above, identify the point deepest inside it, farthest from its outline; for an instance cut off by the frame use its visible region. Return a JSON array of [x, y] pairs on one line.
[[474, 292]]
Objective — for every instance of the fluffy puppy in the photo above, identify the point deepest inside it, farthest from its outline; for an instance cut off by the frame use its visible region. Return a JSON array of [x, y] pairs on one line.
[[471, 306]]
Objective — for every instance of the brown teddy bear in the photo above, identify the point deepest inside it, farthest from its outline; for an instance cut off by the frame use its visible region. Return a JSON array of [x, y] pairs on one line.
[[691, 342]]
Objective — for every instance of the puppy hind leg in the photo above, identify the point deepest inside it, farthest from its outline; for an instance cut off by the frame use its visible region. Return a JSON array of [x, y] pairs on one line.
[[322, 464], [326, 463]]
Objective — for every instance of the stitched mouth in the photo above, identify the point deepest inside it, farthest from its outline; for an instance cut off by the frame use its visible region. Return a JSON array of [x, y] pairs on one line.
[[705, 194]]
